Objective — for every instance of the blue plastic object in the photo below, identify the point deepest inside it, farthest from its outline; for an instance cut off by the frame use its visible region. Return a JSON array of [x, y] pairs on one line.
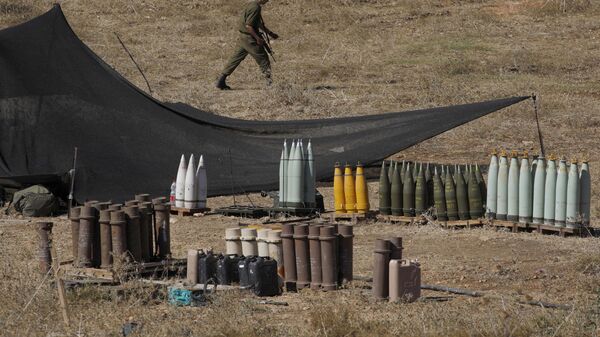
[[180, 297]]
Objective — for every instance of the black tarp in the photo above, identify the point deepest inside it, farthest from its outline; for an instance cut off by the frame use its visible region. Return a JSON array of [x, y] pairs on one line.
[[55, 94]]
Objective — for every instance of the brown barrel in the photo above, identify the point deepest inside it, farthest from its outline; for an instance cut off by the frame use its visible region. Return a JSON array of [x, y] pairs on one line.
[[74, 217], [315, 256], [146, 230], [105, 240], [289, 256], [86, 233], [118, 233], [346, 256], [327, 238], [115, 207], [396, 248], [302, 258], [142, 197], [162, 229], [100, 206], [44, 230], [129, 203], [134, 242], [381, 269], [91, 203]]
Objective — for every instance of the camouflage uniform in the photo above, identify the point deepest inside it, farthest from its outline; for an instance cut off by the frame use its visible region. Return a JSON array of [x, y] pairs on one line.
[[247, 44]]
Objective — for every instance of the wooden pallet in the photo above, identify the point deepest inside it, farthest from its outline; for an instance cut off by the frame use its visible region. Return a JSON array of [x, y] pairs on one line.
[[97, 275], [354, 218], [513, 226], [561, 231], [400, 219], [182, 211], [461, 223]]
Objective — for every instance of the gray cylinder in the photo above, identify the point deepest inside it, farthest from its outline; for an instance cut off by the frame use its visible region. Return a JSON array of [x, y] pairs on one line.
[[525, 193], [302, 258], [550, 193], [289, 256], [539, 186], [276, 250], [261, 241], [381, 269], [315, 256], [249, 244], [346, 256], [513, 190], [106, 260], [233, 244], [134, 242], [502, 189], [44, 230], [74, 217], [492, 188], [328, 238], [585, 193], [572, 213], [86, 223], [192, 267], [118, 235], [560, 210]]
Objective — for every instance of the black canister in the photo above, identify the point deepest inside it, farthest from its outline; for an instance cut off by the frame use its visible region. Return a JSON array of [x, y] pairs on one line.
[[207, 267], [227, 269], [244, 271], [263, 273]]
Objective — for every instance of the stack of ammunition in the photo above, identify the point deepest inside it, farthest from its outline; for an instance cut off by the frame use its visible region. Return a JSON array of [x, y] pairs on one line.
[[393, 277], [191, 184], [103, 232], [538, 192], [350, 192], [307, 255], [297, 176], [411, 189]]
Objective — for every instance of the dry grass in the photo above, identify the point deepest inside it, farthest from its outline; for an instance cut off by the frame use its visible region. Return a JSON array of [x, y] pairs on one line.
[[353, 57]]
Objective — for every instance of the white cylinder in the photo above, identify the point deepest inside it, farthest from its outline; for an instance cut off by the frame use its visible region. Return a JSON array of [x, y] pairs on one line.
[[275, 249], [560, 209], [525, 194], [309, 177], [550, 193], [249, 244], [201, 183], [573, 197], [191, 193], [513, 190], [283, 175], [585, 193], [192, 267], [233, 244], [539, 185], [502, 188], [492, 185], [261, 240], [180, 183]]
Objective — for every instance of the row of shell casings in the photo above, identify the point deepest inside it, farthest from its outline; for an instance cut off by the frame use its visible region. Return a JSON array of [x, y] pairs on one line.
[[539, 192], [191, 184], [350, 191], [251, 272], [412, 189], [315, 256], [394, 277], [297, 176], [103, 232]]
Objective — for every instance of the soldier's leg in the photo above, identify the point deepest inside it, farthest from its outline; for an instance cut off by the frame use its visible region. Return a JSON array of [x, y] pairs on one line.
[[238, 56], [262, 58]]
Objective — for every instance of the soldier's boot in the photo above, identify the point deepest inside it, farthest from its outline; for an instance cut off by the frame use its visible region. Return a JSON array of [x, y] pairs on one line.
[[268, 80], [221, 83]]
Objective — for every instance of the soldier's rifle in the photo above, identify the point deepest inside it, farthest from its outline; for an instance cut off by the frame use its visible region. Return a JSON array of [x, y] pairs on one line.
[[265, 37]]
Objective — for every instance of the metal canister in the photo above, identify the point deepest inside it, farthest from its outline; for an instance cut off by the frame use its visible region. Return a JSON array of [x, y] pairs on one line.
[[44, 230], [134, 242], [289, 256], [74, 217], [381, 269], [346, 234], [302, 258], [233, 244], [86, 232], [315, 256], [396, 248], [106, 260], [327, 239], [405, 281], [118, 234], [162, 228]]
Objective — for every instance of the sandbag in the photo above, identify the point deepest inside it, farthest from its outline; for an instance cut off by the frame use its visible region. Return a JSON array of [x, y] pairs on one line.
[[35, 201]]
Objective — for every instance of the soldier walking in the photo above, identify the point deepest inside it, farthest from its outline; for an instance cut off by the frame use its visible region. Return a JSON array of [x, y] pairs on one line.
[[250, 42]]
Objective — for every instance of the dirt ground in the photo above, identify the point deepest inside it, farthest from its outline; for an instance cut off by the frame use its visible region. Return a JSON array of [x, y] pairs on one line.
[[339, 58], [510, 268]]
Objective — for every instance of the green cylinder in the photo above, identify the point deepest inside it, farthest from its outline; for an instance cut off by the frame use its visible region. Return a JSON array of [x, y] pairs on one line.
[[384, 191], [408, 193], [402, 169], [396, 192], [474, 194], [420, 192], [450, 192], [462, 198], [439, 197], [481, 183], [429, 185]]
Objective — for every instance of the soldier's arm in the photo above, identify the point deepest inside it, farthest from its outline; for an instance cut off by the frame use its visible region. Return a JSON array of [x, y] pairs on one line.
[[268, 31], [254, 34]]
